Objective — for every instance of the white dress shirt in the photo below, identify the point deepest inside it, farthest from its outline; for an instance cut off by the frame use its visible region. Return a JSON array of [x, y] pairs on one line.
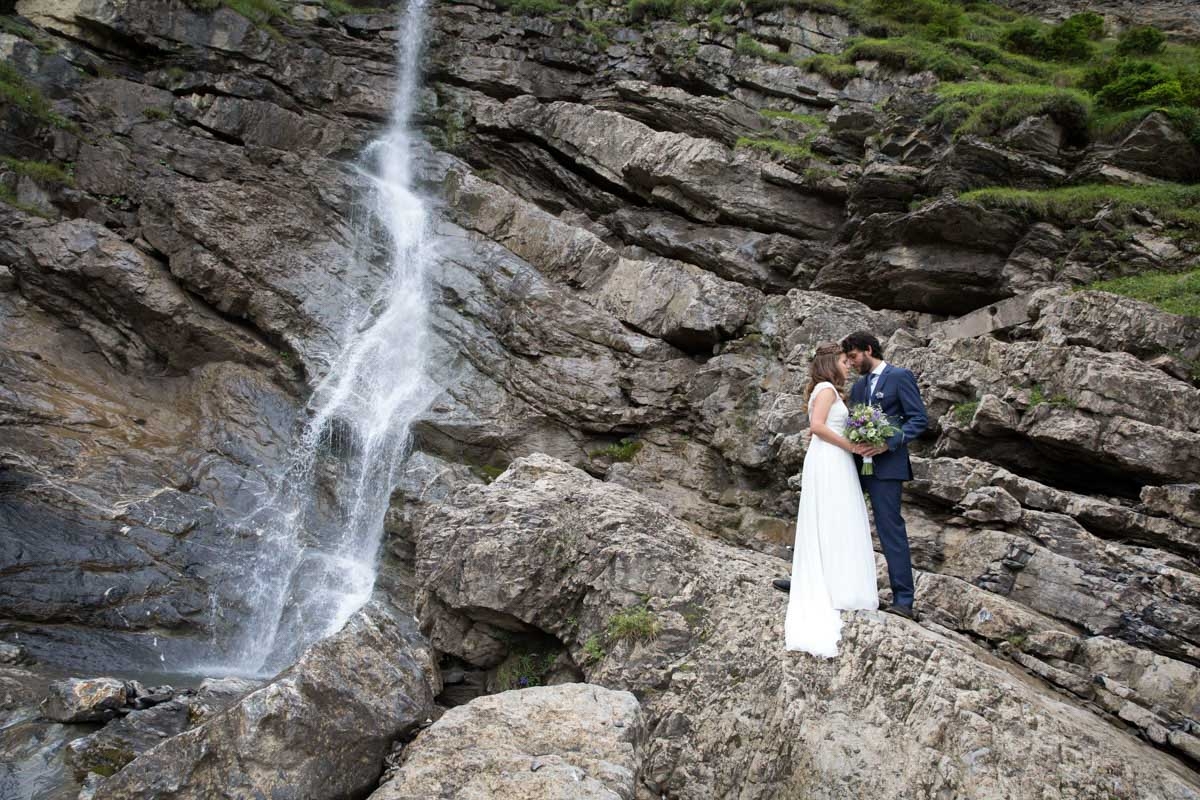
[[875, 373]]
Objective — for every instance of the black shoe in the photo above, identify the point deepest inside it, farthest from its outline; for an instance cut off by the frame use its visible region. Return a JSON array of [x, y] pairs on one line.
[[782, 584], [902, 611]]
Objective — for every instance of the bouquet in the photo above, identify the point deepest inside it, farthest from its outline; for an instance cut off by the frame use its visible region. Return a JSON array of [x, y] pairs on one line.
[[868, 424]]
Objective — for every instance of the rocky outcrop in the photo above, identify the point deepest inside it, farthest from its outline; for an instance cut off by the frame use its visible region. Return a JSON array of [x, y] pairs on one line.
[[319, 729], [693, 626], [574, 740]]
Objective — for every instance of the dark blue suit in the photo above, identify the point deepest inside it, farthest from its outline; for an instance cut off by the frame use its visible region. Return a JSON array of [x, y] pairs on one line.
[[897, 394]]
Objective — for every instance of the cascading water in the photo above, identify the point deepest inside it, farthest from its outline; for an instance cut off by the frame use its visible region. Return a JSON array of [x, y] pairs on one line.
[[311, 573]]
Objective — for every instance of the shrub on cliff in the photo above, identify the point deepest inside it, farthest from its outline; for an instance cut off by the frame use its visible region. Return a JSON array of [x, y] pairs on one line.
[[1144, 41], [1070, 40]]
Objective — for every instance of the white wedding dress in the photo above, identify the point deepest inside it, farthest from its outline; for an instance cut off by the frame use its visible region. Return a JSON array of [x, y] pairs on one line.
[[833, 566]]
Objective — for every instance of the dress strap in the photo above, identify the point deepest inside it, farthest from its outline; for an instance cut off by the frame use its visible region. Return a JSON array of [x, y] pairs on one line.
[[818, 389]]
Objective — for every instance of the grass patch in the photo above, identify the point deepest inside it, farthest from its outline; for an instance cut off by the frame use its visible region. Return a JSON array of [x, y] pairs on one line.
[[635, 624], [21, 31], [964, 412], [831, 67], [774, 146], [16, 90], [524, 668], [1038, 397], [10, 199], [156, 114], [1176, 293], [593, 649], [811, 120], [748, 46], [624, 450], [910, 54], [1172, 202], [490, 473], [40, 171], [987, 108]]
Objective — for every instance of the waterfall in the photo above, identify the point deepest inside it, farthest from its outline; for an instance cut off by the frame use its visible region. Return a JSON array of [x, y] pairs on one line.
[[318, 538]]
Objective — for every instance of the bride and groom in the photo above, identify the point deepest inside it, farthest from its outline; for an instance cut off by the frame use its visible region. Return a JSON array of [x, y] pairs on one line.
[[833, 566]]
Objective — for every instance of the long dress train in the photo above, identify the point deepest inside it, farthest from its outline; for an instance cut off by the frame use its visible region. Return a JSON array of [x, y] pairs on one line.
[[833, 566]]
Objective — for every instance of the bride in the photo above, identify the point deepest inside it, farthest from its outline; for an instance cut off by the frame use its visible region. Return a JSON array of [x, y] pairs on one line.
[[833, 566]]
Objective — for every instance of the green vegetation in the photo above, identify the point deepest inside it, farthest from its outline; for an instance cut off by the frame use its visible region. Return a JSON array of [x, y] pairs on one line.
[[1070, 40], [157, 114], [964, 412], [987, 108], [1072, 204], [593, 649], [16, 90], [776, 146], [40, 41], [10, 199], [40, 171], [910, 54], [1017, 640], [1143, 41], [811, 120], [748, 46], [635, 624], [490, 473], [1177, 293], [259, 12], [1038, 397], [525, 666], [624, 450]]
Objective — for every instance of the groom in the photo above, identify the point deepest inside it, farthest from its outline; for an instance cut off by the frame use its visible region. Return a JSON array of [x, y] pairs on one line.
[[895, 390]]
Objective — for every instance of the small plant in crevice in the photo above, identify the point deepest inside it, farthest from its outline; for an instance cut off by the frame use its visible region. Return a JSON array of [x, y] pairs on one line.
[[623, 450], [156, 114], [593, 649], [964, 412], [636, 624], [40, 171], [774, 146], [525, 666], [18, 91], [1038, 397]]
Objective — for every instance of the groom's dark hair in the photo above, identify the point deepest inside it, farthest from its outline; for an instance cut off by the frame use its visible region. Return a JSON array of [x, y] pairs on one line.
[[863, 341]]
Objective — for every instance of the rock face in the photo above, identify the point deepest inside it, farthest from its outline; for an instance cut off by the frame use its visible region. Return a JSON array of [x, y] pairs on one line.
[[319, 729], [730, 712], [645, 227], [575, 740]]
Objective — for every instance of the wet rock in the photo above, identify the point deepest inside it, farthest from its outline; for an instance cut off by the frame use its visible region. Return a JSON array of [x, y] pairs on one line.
[[573, 740], [13, 654], [320, 728], [85, 700]]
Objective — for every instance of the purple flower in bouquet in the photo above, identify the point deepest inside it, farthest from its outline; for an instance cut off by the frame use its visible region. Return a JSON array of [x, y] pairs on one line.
[[867, 424]]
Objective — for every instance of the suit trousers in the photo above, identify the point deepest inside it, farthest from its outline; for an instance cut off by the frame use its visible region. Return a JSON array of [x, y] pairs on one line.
[[893, 536]]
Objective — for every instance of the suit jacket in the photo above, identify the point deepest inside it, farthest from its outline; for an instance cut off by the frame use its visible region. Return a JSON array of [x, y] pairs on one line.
[[897, 393]]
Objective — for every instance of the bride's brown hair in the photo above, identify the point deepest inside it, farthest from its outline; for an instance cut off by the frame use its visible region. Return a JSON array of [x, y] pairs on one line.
[[824, 367]]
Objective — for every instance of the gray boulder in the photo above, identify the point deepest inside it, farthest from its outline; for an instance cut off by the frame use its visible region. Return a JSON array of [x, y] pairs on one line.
[[573, 740], [320, 729]]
